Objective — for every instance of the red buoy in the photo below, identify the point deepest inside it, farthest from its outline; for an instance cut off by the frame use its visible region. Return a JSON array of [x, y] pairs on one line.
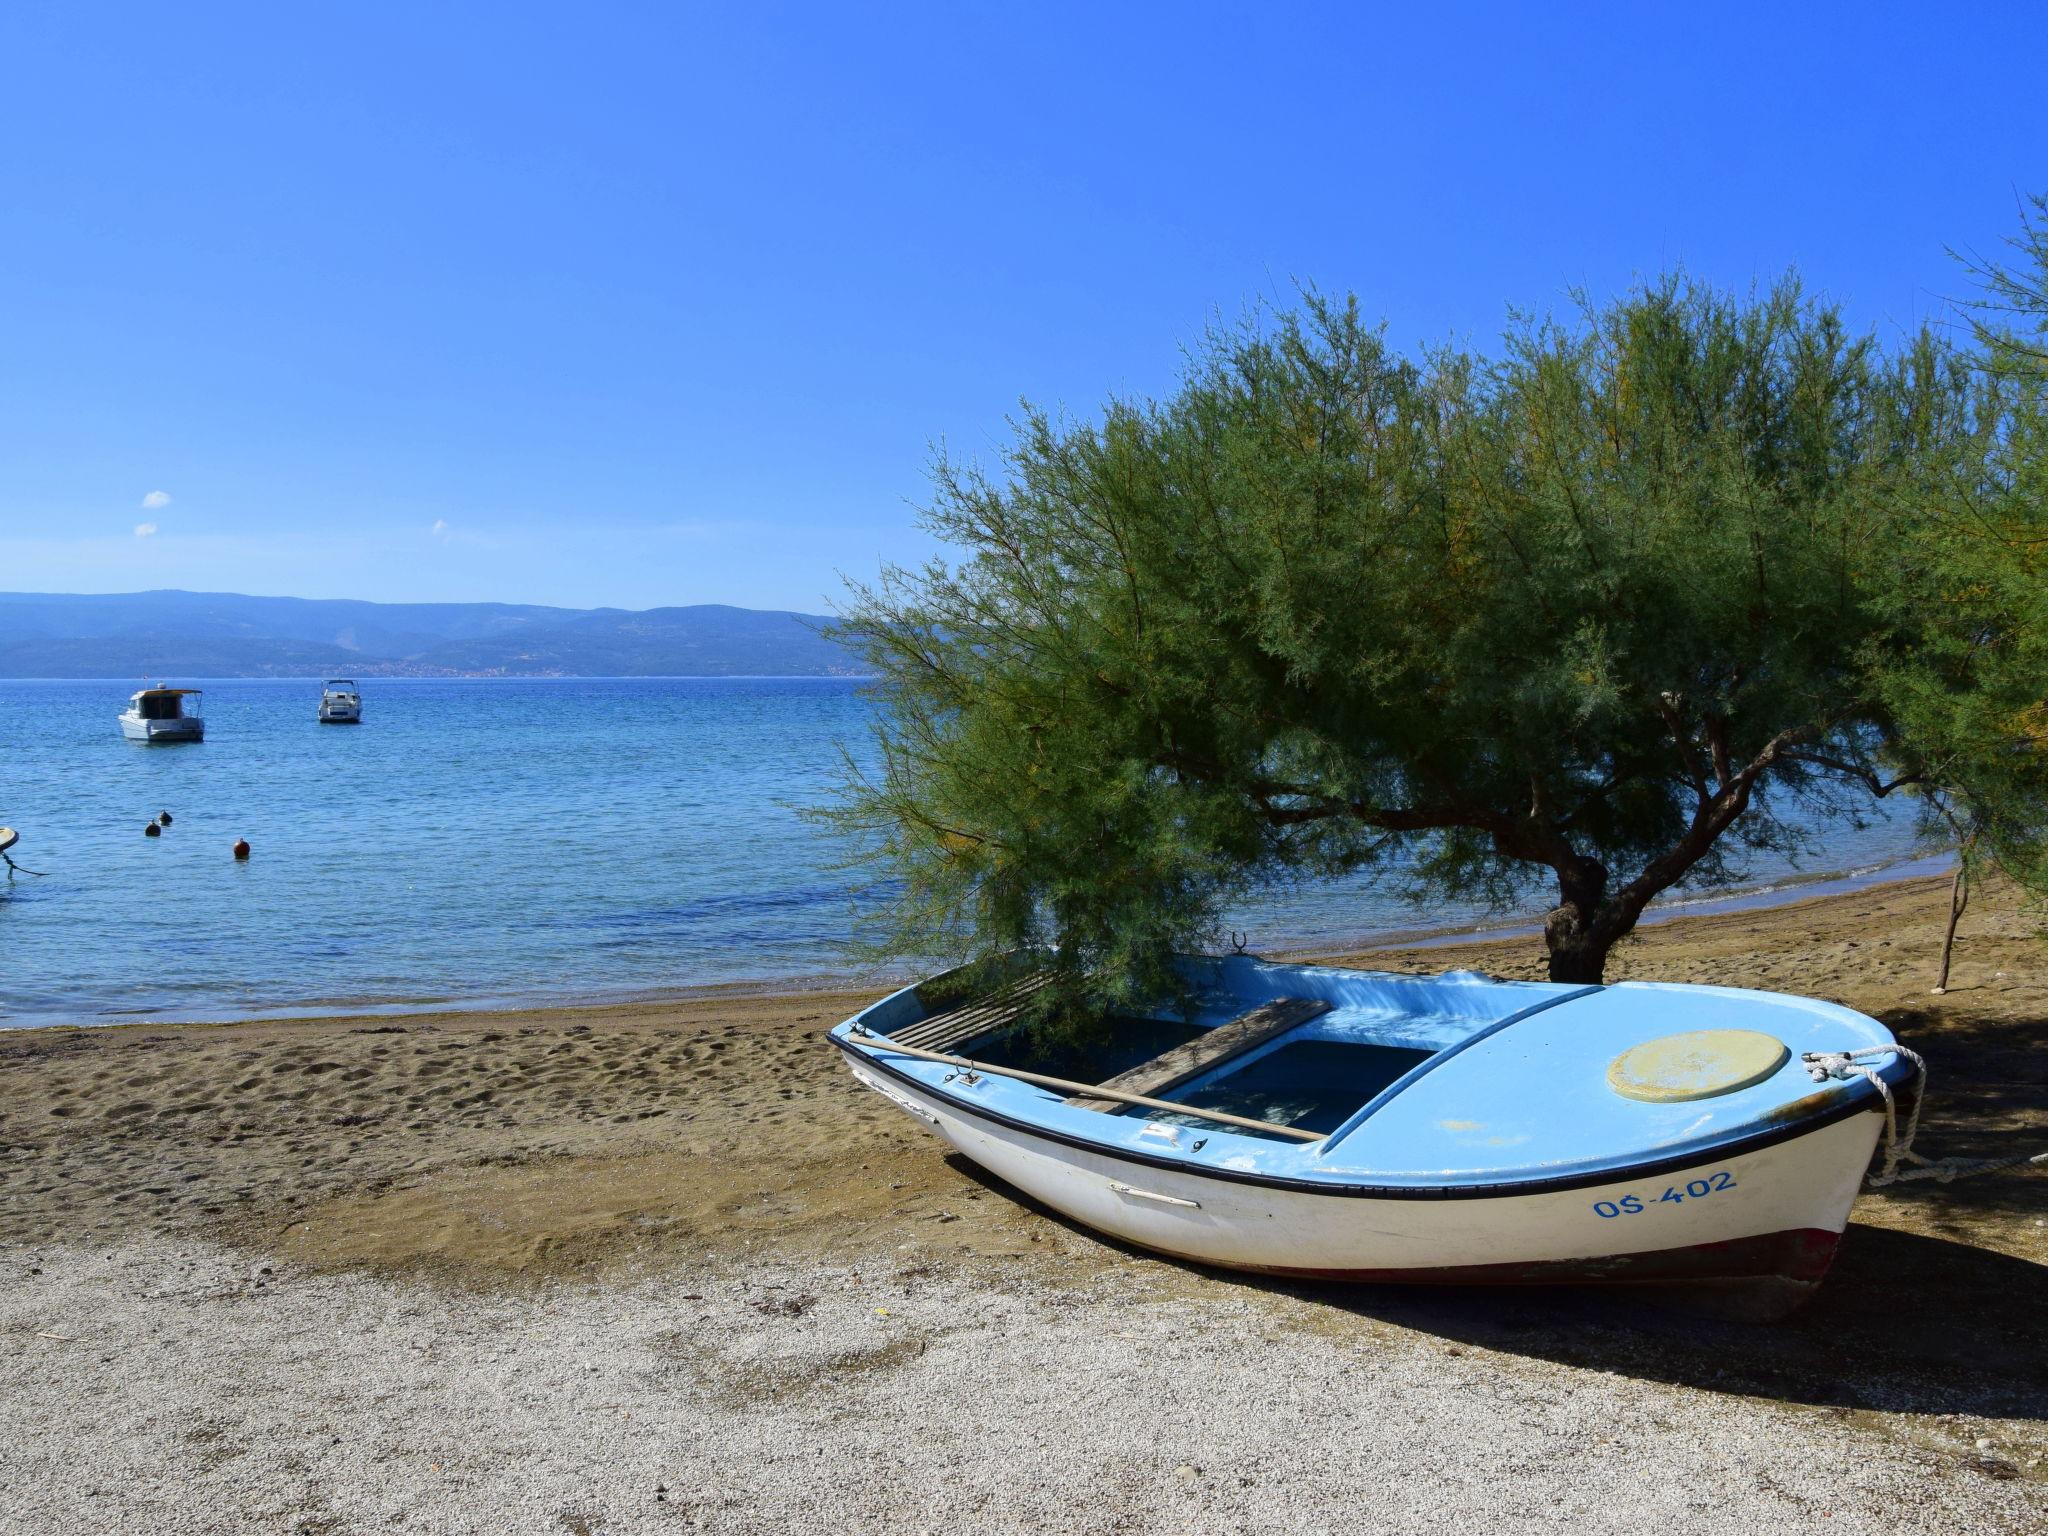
[[241, 847]]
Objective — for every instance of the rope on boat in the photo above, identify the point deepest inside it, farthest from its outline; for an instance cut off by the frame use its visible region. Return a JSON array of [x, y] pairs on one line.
[[860, 1034], [1840, 1066]]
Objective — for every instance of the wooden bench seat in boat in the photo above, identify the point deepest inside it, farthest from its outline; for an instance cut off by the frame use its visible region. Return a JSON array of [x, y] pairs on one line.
[[1209, 1049], [950, 1027]]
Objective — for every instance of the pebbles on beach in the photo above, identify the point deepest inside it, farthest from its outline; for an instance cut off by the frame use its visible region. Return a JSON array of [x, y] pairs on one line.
[[160, 1388]]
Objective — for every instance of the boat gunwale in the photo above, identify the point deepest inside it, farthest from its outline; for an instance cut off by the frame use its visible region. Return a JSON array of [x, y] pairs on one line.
[[1857, 1097]]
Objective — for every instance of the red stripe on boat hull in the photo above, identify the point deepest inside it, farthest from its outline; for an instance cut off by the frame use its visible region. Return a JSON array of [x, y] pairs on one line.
[[1764, 1277]]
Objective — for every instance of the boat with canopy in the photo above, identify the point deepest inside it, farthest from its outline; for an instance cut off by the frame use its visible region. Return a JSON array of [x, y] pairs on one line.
[[1352, 1125], [163, 714], [341, 702]]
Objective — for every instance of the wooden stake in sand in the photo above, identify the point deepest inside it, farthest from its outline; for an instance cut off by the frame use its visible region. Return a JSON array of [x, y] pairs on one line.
[[1958, 898]]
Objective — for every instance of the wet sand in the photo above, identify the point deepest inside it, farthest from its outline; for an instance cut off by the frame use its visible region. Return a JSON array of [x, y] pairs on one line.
[[703, 1172]]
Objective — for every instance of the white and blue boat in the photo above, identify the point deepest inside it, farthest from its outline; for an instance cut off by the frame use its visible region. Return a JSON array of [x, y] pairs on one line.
[[341, 702], [163, 714], [1350, 1125]]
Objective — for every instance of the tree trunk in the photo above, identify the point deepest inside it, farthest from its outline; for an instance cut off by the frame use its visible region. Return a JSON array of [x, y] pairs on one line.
[[1584, 966], [1958, 898], [1578, 943]]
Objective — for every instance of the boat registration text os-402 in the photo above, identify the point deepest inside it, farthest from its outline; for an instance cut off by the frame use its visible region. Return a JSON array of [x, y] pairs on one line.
[[1350, 1125]]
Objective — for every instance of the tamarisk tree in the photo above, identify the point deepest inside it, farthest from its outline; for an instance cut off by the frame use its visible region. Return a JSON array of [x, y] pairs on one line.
[[1971, 692], [1602, 610]]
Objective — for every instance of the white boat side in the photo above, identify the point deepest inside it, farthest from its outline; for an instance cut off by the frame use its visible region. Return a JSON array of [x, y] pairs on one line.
[[163, 715], [341, 702], [1773, 1214]]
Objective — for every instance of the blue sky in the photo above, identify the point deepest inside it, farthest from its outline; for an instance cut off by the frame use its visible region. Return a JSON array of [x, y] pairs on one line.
[[634, 305]]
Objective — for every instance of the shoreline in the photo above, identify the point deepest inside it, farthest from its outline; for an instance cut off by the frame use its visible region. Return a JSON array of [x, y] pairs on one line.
[[1785, 892], [305, 1110], [1789, 890]]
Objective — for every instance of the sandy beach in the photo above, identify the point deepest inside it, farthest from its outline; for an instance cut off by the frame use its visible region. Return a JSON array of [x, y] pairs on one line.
[[666, 1267]]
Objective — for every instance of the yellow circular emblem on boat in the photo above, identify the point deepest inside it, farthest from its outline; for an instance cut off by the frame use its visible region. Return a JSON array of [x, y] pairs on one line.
[[1695, 1065]]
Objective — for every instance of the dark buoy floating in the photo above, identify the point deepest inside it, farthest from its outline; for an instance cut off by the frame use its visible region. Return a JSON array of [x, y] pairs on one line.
[[163, 818], [151, 829], [8, 838], [241, 848]]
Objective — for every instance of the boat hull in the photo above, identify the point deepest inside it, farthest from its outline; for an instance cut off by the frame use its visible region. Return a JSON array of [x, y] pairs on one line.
[[1768, 1221], [163, 732]]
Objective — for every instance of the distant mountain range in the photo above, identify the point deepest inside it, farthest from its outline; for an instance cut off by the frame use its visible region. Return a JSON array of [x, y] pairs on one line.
[[224, 634]]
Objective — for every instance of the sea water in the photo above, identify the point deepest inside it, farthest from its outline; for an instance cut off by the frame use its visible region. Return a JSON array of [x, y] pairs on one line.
[[487, 840]]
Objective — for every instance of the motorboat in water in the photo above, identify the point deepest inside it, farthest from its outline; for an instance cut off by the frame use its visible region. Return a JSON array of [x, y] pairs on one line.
[[341, 702], [1351, 1125], [163, 714]]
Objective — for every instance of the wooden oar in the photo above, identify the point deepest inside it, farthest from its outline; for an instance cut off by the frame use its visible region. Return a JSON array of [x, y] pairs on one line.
[[1092, 1090]]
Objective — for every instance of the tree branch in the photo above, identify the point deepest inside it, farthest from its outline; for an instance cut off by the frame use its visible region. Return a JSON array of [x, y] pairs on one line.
[[1714, 817], [1717, 744], [1667, 706], [1865, 776]]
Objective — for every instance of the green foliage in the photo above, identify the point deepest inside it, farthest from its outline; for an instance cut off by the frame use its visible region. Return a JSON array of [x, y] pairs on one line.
[[1966, 678], [1599, 608]]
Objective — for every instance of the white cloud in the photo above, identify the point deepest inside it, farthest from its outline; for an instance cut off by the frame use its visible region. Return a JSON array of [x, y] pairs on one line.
[[155, 500], [145, 530], [440, 528]]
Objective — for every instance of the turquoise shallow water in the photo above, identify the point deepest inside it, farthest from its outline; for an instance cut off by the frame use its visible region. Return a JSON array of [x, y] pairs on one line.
[[474, 840]]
